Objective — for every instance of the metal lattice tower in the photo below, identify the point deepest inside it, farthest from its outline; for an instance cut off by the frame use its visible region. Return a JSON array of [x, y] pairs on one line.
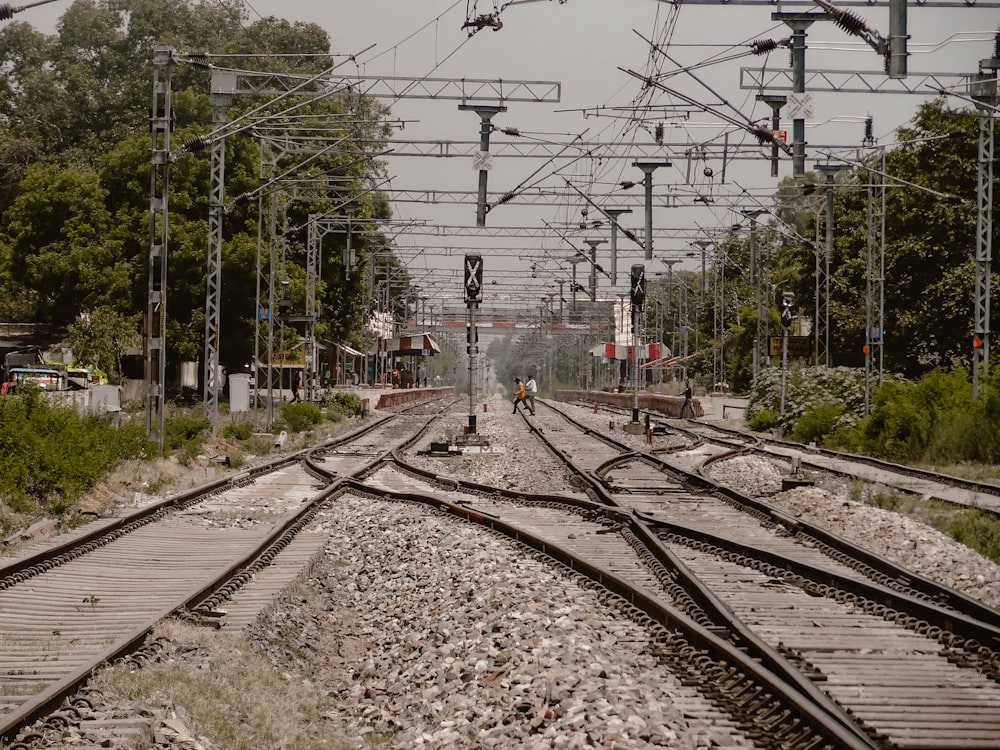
[[822, 298], [756, 281], [156, 306], [223, 83], [875, 277], [984, 91], [829, 171]]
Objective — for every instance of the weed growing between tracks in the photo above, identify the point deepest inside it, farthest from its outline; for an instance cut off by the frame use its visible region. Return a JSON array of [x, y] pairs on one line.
[[227, 692]]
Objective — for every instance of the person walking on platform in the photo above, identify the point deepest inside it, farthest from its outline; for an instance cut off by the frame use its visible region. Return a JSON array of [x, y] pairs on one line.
[[531, 388], [518, 394]]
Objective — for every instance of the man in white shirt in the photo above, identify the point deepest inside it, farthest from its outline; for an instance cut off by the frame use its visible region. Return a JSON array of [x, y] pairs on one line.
[[531, 388]]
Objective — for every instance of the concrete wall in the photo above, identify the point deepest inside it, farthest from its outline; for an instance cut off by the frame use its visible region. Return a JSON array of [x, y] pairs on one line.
[[386, 399]]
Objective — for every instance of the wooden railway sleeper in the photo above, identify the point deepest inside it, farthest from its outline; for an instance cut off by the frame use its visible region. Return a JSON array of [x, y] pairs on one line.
[[986, 658]]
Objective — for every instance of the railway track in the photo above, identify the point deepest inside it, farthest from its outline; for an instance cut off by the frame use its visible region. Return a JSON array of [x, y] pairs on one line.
[[784, 635], [889, 657], [718, 442], [217, 554]]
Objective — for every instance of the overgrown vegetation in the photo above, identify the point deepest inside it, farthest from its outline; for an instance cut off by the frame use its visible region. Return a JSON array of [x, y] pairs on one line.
[[932, 420], [52, 455]]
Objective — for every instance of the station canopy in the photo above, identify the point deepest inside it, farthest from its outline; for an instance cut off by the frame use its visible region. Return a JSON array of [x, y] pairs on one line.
[[420, 345]]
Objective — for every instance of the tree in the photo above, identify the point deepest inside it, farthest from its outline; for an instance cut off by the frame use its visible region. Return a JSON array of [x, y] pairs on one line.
[[75, 164], [102, 338]]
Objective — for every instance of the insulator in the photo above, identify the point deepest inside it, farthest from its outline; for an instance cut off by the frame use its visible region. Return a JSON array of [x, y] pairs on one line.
[[199, 58], [763, 46], [763, 135], [849, 22], [195, 144], [6, 11]]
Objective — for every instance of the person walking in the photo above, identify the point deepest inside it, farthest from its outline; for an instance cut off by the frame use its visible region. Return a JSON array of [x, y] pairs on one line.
[[531, 388], [518, 394], [687, 407]]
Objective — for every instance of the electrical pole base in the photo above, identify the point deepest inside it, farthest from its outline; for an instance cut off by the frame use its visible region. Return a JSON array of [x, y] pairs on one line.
[[635, 428]]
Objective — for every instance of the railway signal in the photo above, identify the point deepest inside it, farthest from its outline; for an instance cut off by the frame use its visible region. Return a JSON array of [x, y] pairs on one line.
[[473, 278], [637, 288]]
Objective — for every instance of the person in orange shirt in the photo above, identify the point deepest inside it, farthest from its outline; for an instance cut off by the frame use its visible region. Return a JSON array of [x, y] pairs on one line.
[[518, 394]]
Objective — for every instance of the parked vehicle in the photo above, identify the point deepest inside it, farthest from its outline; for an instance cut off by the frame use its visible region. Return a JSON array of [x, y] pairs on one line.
[[48, 379]]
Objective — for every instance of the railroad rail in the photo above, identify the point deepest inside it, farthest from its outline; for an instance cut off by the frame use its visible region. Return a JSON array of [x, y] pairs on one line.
[[215, 554], [724, 442], [792, 637], [852, 650]]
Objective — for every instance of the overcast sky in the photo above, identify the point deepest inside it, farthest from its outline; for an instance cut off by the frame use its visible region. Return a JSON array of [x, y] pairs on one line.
[[586, 45]]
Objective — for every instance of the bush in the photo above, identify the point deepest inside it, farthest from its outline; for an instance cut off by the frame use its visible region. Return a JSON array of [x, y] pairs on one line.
[[183, 434], [347, 403], [42, 473], [764, 420], [234, 431], [818, 422], [300, 416]]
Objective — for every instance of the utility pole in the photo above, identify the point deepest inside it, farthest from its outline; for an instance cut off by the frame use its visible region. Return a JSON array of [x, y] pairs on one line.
[[703, 245], [160, 125], [756, 281], [593, 267], [648, 167], [776, 102], [829, 171], [483, 161], [799, 103], [574, 261], [614, 213], [637, 296]]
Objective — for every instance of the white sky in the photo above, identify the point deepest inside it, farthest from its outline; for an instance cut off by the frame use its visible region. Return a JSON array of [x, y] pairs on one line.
[[583, 44]]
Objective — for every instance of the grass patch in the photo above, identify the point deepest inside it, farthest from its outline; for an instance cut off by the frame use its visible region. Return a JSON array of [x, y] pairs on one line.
[[233, 695]]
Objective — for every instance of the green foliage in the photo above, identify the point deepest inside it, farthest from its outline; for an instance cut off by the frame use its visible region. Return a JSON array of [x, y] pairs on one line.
[[235, 431], [925, 419], [980, 531], [103, 337], [341, 404], [183, 434], [301, 416], [52, 455], [74, 173], [763, 420], [817, 422], [812, 391]]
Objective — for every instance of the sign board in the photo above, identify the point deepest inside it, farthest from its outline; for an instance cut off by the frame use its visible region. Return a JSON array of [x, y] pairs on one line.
[[780, 135], [798, 346]]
